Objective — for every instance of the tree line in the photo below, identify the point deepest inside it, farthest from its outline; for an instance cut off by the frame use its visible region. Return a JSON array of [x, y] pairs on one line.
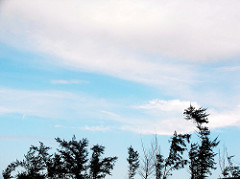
[[72, 157]]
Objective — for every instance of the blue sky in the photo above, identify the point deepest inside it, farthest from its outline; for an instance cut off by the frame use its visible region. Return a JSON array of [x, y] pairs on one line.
[[116, 72]]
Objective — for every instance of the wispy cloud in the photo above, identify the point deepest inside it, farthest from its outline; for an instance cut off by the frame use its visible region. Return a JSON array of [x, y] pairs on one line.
[[4, 110], [50, 104], [87, 128], [21, 138], [166, 105], [66, 82], [220, 119], [163, 117], [230, 68], [110, 113]]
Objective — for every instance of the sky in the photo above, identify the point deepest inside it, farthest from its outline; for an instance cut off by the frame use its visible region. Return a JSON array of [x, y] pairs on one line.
[[116, 72]]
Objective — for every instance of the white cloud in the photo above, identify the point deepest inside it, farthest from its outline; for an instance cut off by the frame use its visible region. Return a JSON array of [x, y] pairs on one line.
[[153, 125], [23, 138], [230, 68], [187, 29], [163, 117], [156, 42], [87, 128], [65, 82], [49, 104], [129, 39], [4, 110], [96, 128], [110, 113], [220, 119], [167, 105]]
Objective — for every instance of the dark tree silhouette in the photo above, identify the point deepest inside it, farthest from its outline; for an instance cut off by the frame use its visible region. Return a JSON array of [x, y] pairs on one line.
[[7, 172], [100, 167], [201, 155], [133, 162], [175, 158], [159, 165], [47, 160], [33, 164], [193, 157], [74, 155], [71, 162]]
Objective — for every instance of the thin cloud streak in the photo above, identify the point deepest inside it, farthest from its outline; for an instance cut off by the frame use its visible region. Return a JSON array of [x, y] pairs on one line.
[[86, 128], [166, 105], [48, 104], [229, 68], [66, 82]]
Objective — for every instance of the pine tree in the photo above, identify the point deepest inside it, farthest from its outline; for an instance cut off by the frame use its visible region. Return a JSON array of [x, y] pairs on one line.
[[33, 164], [201, 155], [100, 167], [175, 159], [133, 162], [159, 165], [74, 155]]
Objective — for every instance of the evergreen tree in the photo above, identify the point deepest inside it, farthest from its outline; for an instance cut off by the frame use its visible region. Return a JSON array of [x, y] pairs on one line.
[[133, 162], [175, 158], [7, 172], [193, 157], [100, 167], [159, 165], [201, 155], [74, 154], [33, 164]]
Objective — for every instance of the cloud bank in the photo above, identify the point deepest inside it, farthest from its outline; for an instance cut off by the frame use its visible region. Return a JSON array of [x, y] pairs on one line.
[[148, 41]]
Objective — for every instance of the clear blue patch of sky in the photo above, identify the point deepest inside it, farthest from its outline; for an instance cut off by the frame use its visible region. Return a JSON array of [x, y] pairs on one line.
[[214, 76]]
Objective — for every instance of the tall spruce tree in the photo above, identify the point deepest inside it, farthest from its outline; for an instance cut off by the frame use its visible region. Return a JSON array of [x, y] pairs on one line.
[[100, 167], [34, 164], [175, 159], [201, 154], [133, 162], [159, 165], [74, 155]]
